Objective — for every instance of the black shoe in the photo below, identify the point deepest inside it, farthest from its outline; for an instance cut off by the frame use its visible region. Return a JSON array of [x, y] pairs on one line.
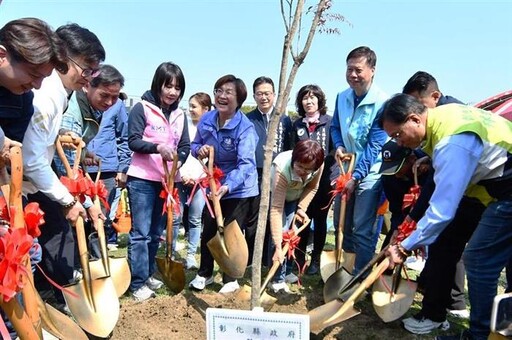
[[313, 268]]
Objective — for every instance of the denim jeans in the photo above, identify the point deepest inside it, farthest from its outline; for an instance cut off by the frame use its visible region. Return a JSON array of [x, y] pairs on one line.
[[487, 253], [360, 232], [195, 214], [147, 227], [289, 212]]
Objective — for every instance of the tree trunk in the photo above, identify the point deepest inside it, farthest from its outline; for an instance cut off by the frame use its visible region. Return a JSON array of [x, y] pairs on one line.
[[285, 86]]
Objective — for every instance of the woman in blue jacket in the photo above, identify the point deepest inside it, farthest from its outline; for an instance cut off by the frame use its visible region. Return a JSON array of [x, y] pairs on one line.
[[234, 139]]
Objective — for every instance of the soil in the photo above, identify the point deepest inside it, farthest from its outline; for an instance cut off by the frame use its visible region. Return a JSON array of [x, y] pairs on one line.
[[182, 316]]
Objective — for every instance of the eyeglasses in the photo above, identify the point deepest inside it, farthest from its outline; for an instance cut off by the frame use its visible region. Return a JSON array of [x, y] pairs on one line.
[[87, 72], [228, 92], [263, 94], [397, 135], [299, 167]]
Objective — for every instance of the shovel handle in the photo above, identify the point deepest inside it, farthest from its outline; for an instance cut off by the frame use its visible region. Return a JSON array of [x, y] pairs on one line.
[[351, 158], [213, 191], [169, 183], [367, 283], [71, 172], [15, 202]]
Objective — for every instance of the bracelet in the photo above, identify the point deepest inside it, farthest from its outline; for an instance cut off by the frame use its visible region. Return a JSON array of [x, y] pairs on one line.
[[405, 253], [70, 205]]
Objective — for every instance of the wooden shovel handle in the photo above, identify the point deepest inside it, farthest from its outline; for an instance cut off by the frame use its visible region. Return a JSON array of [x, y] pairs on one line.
[[15, 201], [213, 191], [71, 172], [169, 183]]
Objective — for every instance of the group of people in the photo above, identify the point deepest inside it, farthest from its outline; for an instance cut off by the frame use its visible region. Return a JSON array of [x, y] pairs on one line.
[[53, 83]]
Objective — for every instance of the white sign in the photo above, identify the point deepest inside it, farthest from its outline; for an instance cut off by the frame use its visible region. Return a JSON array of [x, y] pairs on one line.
[[232, 324]]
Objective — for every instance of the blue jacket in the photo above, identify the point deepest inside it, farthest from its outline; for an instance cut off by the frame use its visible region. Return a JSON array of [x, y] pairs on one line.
[[111, 142], [357, 130], [235, 146]]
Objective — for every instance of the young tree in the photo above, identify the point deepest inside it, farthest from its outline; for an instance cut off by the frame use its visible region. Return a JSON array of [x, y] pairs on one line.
[[292, 13]]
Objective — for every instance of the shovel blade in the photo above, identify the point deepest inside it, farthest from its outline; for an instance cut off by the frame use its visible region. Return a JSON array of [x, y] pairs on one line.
[[390, 307], [338, 285], [173, 273], [328, 314], [230, 250], [328, 263], [60, 325], [99, 321], [266, 300], [119, 273]]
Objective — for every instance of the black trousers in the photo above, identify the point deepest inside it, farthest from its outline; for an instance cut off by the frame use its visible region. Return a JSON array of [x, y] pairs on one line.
[[58, 245], [444, 257], [317, 211], [238, 209]]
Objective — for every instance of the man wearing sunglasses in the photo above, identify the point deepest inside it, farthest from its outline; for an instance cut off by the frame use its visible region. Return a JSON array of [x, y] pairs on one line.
[[85, 52]]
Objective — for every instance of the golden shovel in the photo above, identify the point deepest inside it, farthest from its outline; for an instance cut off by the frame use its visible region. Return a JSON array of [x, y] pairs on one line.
[[228, 246], [267, 301], [96, 309], [172, 271], [337, 311], [331, 261], [117, 268], [393, 296]]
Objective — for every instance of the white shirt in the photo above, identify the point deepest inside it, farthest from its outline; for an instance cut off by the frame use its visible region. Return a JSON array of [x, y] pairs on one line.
[[50, 102]]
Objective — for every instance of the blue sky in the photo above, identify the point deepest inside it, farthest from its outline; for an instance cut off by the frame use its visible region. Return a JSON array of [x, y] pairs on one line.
[[466, 45]]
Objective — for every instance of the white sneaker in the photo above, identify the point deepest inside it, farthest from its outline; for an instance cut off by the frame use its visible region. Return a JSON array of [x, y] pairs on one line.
[[143, 293], [153, 283], [229, 287], [200, 282], [77, 275], [277, 286], [459, 313], [291, 278], [424, 325], [112, 247]]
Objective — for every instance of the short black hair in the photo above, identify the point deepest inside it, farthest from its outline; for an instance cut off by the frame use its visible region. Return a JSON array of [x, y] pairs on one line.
[[363, 51], [108, 75], [262, 80], [420, 82], [399, 107], [81, 42]]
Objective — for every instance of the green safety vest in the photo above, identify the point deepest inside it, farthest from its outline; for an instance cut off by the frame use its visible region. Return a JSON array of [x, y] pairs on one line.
[[494, 131]]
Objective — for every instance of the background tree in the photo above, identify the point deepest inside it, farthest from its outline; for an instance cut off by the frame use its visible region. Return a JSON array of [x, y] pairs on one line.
[[293, 13]]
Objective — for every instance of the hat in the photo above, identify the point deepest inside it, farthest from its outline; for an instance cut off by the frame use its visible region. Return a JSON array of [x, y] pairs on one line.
[[393, 157]]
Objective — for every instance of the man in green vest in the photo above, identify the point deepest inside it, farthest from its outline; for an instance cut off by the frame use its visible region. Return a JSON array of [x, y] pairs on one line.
[[471, 153]]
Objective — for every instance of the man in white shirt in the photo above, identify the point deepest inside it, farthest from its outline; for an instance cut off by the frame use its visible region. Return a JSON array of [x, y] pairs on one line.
[[85, 52]]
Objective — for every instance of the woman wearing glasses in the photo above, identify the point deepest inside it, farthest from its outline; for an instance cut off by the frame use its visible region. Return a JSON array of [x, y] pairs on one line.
[[314, 124], [295, 176], [233, 137], [157, 129]]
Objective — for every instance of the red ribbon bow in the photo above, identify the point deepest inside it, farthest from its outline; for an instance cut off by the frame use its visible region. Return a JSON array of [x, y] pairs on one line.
[[411, 197], [167, 196], [293, 242], [14, 246], [78, 186], [341, 183], [34, 217], [204, 183], [405, 229], [100, 190]]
